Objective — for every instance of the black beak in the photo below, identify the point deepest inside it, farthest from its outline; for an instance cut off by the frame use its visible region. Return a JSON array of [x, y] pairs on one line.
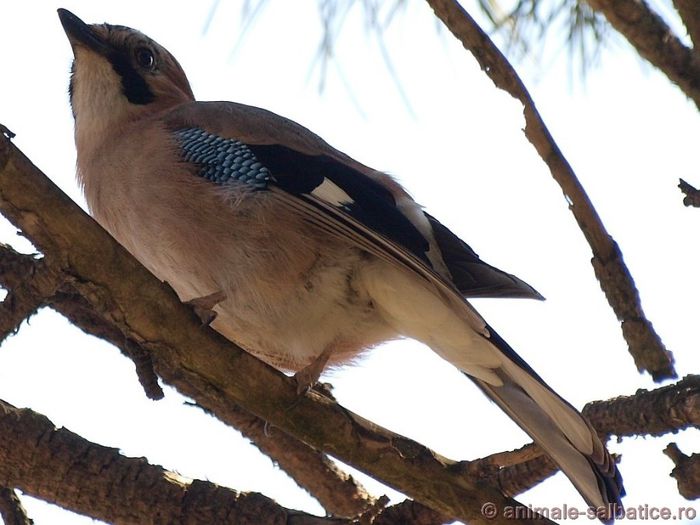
[[80, 33]]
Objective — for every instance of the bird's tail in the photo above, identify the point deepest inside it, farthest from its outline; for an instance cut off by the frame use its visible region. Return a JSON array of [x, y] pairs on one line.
[[559, 429], [456, 332]]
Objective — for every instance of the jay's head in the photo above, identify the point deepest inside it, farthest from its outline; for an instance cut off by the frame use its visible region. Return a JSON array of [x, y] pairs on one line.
[[120, 74]]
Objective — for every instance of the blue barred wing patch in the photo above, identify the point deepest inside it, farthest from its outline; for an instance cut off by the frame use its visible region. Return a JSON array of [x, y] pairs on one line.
[[222, 160]]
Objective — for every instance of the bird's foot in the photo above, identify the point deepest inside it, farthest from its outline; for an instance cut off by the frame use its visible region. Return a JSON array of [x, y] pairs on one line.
[[203, 306], [308, 376]]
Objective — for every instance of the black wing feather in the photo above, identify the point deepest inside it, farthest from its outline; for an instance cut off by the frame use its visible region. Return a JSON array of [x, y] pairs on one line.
[[472, 276], [370, 203]]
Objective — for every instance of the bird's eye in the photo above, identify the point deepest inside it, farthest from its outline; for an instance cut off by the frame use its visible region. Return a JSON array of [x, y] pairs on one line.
[[145, 58]]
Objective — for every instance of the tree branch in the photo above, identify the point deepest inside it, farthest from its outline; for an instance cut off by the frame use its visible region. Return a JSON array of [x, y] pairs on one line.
[[514, 471], [11, 509], [337, 492], [646, 31], [644, 344], [49, 463], [409, 512], [38, 284], [692, 194], [689, 11], [205, 366], [654, 413], [686, 471], [28, 276]]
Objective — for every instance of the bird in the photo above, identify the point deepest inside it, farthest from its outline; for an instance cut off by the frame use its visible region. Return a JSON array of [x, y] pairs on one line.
[[304, 257]]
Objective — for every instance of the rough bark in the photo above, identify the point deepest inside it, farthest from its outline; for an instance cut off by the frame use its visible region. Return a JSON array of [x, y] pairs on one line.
[[689, 11], [644, 344], [337, 492], [686, 471], [649, 412], [26, 297], [410, 512], [520, 477], [211, 370], [61, 467], [646, 31], [11, 510]]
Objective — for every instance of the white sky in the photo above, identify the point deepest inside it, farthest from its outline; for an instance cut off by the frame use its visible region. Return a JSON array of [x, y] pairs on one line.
[[628, 133]]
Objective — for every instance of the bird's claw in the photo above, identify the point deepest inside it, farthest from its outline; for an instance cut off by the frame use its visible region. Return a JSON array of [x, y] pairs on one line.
[[308, 376]]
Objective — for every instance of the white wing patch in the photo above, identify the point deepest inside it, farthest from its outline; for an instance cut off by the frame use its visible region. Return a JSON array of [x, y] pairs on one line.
[[331, 193], [414, 213]]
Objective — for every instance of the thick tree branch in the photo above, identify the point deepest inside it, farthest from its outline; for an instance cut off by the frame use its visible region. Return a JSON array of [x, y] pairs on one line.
[[11, 510], [686, 471], [644, 344], [203, 365], [409, 512], [23, 299], [15, 308], [654, 40], [49, 463], [518, 478], [28, 276], [513, 471], [654, 413], [337, 492], [689, 11]]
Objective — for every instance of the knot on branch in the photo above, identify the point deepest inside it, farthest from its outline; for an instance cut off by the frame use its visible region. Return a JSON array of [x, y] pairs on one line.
[[657, 412], [686, 472], [692, 194]]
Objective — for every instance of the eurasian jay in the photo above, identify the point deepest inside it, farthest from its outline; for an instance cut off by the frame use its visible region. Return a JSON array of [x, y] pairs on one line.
[[307, 257]]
